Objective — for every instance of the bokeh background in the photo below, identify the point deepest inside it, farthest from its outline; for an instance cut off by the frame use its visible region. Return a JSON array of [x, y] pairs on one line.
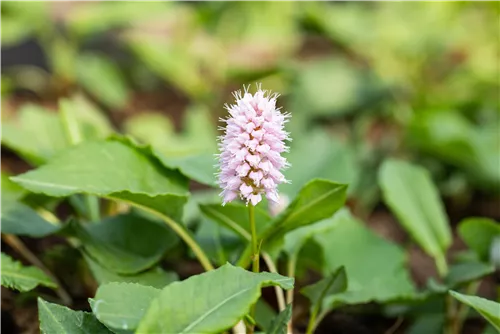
[[363, 82]]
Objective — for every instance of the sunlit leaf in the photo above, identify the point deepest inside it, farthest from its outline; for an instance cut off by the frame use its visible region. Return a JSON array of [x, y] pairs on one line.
[[409, 192], [490, 310], [227, 292], [111, 168]]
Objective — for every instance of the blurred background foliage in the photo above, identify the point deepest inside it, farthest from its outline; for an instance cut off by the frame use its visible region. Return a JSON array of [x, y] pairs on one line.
[[363, 81]]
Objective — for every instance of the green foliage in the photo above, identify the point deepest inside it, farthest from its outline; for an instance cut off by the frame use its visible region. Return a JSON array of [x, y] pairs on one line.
[[18, 277], [59, 319], [235, 218], [155, 277], [478, 234], [192, 151], [17, 217], [125, 244], [222, 306], [279, 324], [410, 193], [487, 308], [102, 79], [122, 305], [90, 168], [376, 270]]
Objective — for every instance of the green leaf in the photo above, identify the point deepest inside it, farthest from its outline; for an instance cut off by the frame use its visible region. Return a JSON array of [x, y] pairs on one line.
[[333, 284], [125, 244], [102, 78], [227, 294], [319, 199], [478, 234], [155, 277], [18, 277], [487, 308], [191, 151], [280, 323], [376, 270], [17, 217], [296, 239], [122, 305], [62, 320], [409, 192], [36, 134], [112, 168], [264, 314], [235, 217], [466, 272]]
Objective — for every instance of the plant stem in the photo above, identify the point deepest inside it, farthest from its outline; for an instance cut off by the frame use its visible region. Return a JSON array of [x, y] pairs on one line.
[[255, 242], [188, 239], [180, 230], [21, 248], [291, 266], [312, 320], [280, 296], [255, 254], [463, 308]]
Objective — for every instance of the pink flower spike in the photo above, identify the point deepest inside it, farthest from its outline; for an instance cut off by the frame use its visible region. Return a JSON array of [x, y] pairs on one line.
[[250, 150]]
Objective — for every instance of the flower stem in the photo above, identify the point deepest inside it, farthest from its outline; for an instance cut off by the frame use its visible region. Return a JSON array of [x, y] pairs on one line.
[[255, 254], [255, 243]]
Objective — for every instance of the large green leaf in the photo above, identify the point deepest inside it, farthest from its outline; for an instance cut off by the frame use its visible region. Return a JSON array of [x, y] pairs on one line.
[[235, 217], [111, 168], [17, 217], [18, 277], [122, 305], [62, 320], [478, 234], [224, 296], [155, 277], [125, 244], [409, 192], [376, 270], [487, 308]]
